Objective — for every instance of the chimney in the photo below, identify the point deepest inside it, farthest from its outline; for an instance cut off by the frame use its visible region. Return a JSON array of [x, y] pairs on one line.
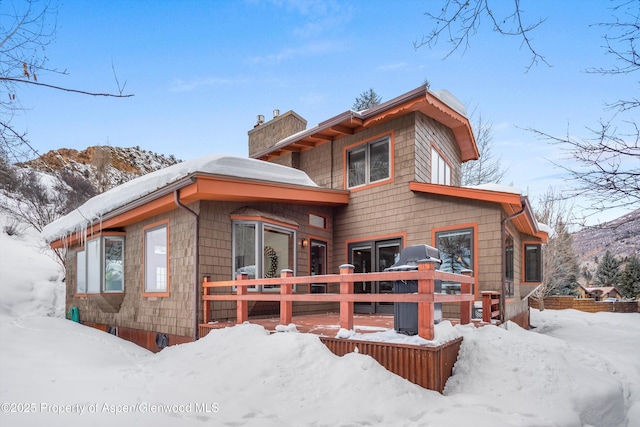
[[266, 135]]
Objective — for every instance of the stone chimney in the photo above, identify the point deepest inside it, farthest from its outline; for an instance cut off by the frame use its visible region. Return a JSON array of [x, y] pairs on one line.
[[266, 135]]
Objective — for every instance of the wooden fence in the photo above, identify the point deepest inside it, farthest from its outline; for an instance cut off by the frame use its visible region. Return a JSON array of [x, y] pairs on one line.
[[588, 304], [425, 275]]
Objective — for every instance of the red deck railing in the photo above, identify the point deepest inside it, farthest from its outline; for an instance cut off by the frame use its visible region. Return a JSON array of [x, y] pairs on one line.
[[425, 276]]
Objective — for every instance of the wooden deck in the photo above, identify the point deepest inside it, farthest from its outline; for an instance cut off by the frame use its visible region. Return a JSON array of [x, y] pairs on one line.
[[326, 325], [426, 366]]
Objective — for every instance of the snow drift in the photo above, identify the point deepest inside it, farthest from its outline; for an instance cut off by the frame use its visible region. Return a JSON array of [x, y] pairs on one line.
[[578, 369]]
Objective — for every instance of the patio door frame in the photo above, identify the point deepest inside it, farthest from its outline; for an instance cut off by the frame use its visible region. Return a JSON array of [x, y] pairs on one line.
[[370, 260]]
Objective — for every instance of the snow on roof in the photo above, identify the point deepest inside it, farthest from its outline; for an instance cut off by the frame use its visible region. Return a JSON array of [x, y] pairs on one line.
[[496, 187], [449, 99], [546, 229], [232, 166]]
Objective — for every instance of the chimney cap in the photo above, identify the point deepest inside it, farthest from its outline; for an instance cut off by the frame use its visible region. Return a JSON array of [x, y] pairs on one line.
[[260, 119], [276, 113]]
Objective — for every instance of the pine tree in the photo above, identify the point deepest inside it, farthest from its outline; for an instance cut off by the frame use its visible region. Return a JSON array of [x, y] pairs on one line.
[[366, 100], [629, 286], [608, 271]]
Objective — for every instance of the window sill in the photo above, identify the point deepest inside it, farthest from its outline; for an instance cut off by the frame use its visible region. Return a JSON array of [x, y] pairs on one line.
[[155, 294], [371, 185]]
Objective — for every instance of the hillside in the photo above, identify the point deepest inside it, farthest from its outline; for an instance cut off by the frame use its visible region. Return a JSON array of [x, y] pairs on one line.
[[104, 166], [621, 237]]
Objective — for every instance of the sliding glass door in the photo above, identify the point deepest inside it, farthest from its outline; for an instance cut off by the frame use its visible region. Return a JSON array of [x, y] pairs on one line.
[[374, 256]]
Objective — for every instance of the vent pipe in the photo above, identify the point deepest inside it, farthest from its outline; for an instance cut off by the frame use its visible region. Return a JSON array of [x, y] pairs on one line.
[[276, 113]]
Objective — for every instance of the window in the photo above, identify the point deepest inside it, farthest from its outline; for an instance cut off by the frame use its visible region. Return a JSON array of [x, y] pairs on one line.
[[456, 250], [81, 272], [318, 263], [113, 264], [276, 245], [532, 263], [156, 266], [508, 256], [440, 169], [93, 266], [509, 267], [100, 266], [368, 163], [318, 221]]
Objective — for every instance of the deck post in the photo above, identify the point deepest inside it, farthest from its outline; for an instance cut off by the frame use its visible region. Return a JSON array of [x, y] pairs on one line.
[[465, 306], [346, 288], [242, 306], [286, 307], [425, 309], [487, 305], [205, 302]]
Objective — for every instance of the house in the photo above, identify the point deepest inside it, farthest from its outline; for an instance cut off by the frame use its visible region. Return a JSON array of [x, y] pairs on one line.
[[599, 293], [356, 188]]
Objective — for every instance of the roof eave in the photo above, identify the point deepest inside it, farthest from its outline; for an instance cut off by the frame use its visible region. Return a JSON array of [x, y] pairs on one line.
[[349, 122], [210, 187], [510, 203]]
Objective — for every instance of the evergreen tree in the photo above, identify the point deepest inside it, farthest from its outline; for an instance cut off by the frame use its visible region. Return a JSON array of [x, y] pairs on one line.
[[608, 271], [366, 100], [630, 278]]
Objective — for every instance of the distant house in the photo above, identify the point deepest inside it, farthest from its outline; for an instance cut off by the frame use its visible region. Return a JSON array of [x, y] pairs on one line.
[[599, 293], [356, 188]]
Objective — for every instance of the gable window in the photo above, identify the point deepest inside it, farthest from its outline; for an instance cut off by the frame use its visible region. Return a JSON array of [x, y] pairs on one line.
[[533, 263], [368, 163], [440, 169], [156, 265], [262, 250], [100, 266]]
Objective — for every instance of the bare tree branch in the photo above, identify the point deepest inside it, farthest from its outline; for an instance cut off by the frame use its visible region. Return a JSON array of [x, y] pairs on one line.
[[607, 167], [28, 27], [459, 20], [621, 39], [486, 169], [10, 79]]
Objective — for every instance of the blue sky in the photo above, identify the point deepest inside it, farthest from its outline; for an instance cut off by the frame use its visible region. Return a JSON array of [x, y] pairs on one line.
[[202, 70]]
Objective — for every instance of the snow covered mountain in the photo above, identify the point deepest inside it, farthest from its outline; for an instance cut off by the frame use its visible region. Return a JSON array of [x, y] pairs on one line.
[[621, 237], [104, 166]]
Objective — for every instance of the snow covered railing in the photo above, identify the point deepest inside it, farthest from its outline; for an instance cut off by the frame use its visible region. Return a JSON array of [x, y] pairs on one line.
[[425, 275]]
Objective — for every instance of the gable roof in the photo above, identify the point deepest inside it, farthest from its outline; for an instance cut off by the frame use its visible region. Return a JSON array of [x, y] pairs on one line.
[[442, 106], [215, 177], [601, 290]]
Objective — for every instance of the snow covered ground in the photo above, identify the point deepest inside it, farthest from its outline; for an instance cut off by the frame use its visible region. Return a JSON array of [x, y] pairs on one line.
[[574, 369]]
